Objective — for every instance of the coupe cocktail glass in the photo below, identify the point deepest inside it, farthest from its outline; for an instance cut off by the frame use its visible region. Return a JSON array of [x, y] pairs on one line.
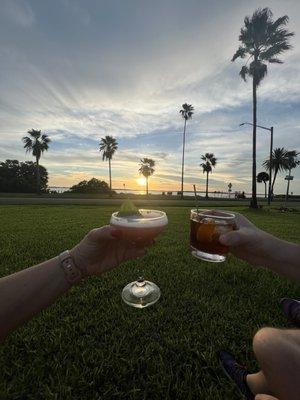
[[140, 229], [206, 228]]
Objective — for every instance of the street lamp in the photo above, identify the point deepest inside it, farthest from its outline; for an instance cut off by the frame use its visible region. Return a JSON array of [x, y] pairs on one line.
[[271, 152]]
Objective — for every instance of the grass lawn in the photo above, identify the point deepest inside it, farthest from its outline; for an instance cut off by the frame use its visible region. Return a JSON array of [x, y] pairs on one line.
[[89, 345]]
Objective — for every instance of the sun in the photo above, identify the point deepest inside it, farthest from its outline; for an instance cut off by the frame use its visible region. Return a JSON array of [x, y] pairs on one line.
[[141, 181]]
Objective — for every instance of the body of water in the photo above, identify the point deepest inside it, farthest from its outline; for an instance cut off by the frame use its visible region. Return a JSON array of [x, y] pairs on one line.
[[223, 195]]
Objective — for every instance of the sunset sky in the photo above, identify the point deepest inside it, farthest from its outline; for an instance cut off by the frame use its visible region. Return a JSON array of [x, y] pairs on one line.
[[82, 69]]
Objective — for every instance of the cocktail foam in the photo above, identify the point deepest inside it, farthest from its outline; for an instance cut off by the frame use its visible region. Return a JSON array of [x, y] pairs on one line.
[[147, 219]]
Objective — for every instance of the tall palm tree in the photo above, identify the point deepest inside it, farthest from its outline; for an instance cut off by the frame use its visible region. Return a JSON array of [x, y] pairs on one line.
[[262, 41], [292, 162], [36, 143], [147, 169], [108, 146], [209, 161], [279, 163], [263, 177], [186, 112]]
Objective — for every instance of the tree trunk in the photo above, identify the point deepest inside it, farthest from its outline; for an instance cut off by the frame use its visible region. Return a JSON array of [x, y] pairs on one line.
[[147, 185], [206, 185], [254, 198], [38, 176], [109, 167], [183, 147], [265, 189], [274, 179], [288, 187]]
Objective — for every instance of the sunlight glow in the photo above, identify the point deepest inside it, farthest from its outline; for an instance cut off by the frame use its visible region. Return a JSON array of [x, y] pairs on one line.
[[141, 181]]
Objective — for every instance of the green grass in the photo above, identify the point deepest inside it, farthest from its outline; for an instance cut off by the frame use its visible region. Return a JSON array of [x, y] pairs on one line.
[[89, 345]]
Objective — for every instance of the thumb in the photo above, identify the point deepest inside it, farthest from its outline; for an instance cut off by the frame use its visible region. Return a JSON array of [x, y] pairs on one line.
[[265, 397], [105, 233], [234, 238]]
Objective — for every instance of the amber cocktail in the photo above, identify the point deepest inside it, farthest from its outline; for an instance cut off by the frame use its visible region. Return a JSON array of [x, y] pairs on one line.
[[206, 228], [140, 228]]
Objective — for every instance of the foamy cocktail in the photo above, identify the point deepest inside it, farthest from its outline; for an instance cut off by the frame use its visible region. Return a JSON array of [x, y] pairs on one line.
[[140, 228]]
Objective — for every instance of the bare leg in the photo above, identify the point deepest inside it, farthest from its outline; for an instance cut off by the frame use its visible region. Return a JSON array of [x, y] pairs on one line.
[[278, 353]]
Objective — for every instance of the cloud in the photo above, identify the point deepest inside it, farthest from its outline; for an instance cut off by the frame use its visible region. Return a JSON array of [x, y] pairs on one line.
[[19, 12], [86, 69], [74, 8]]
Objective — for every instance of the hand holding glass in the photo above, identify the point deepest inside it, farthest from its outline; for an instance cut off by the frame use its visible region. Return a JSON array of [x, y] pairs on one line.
[[140, 229], [206, 228]]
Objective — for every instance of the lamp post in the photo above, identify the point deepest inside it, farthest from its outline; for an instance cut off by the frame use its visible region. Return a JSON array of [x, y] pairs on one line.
[[271, 153]]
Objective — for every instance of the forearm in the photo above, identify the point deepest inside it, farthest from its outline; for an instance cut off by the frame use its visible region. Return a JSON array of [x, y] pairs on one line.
[[25, 293], [283, 258]]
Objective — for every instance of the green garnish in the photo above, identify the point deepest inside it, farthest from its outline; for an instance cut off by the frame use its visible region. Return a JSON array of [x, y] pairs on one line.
[[128, 209]]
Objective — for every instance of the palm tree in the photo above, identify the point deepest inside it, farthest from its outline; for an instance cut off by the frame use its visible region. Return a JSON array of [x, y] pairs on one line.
[[186, 112], [263, 40], [279, 163], [292, 162], [263, 177], [146, 169], [36, 143], [108, 146], [209, 161]]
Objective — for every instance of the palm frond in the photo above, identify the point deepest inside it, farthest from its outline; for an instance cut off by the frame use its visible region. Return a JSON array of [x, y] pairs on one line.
[[262, 39], [108, 146], [258, 70], [279, 160], [187, 111], [27, 143], [209, 161], [147, 167], [275, 61], [280, 21], [34, 133], [262, 177], [274, 50], [244, 72], [292, 159], [240, 53]]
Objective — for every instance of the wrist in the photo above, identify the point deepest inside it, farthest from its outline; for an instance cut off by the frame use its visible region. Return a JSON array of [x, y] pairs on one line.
[[274, 251], [73, 273], [79, 261]]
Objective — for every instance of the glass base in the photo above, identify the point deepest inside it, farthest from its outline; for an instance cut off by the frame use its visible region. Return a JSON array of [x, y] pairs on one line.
[[141, 293], [216, 258]]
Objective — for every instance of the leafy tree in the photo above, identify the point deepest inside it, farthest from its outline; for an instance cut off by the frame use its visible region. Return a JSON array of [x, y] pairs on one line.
[[209, 161], [92, 186], [292, 162], [147, 169], [262, 41], [186, 112], [263, 177], [20, 177], [36, 143], [108, 146], [279, 163]]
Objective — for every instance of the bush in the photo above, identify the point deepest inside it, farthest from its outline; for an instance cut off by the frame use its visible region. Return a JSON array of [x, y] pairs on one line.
[[20, 177], [92, 186]]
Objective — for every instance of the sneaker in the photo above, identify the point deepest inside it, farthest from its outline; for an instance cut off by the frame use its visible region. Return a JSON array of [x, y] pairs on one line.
[[291, 308], [237, 373]]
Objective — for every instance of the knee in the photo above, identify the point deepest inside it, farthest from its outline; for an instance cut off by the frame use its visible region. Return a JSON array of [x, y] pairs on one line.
[[267, 342]]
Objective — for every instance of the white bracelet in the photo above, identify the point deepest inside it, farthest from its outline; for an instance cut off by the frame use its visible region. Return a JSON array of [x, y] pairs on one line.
[[72, 272]]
